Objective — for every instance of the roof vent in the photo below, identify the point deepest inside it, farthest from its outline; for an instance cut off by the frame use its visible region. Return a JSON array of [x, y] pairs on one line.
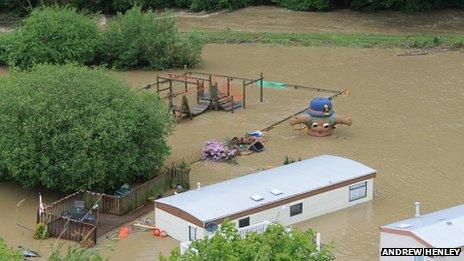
[[404, 225], [256, 197], [276, 192]]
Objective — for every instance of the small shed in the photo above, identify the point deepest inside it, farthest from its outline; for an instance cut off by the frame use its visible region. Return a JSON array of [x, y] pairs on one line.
[[286, 195], [440, 229]]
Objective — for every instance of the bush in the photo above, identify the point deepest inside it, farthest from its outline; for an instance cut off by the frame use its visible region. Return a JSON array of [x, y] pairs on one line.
[[141, 39], [41, 231], [54, 35], [276, 243], [76, 254], [305, 5], [9, 254], [70, 127], [5, 46]]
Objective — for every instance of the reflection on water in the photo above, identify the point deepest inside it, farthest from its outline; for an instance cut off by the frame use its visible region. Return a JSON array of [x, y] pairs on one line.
[[408, 125]]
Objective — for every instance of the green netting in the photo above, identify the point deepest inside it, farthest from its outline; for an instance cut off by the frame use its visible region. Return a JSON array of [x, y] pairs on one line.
[[271, 84]]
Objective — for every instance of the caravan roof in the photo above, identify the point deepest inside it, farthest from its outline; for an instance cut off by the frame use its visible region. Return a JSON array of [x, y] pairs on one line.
[[255, 190]]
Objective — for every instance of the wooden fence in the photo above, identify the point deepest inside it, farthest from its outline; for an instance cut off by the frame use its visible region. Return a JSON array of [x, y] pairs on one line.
[[65, 228], [59, 226], [168, 178]]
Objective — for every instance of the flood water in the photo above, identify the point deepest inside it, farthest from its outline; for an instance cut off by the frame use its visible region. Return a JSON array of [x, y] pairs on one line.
[[273, 19], [408, 125]]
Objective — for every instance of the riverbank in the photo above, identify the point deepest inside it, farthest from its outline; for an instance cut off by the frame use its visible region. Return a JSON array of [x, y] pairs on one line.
[[336, 39]]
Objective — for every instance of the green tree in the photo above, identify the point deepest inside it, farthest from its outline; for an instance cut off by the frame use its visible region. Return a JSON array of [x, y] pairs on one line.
[[277, 243], [145, 40], [9, 254], [70, 127], [54, 35]]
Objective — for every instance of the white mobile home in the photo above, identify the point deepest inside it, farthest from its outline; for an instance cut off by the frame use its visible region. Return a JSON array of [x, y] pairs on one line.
[[441, 229], [286, 195]]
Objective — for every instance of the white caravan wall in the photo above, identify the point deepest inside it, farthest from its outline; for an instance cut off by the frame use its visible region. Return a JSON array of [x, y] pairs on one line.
[[175, 227], [313, 206]]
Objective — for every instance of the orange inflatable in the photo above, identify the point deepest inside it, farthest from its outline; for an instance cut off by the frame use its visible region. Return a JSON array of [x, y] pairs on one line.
[[123, 232], [156, 232]]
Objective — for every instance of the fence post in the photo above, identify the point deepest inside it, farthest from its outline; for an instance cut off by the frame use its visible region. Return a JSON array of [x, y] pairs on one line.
[[261, 87], [244, 93]]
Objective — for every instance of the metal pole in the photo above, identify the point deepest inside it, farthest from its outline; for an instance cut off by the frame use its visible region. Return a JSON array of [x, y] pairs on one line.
[[261, 88], [244, 93]]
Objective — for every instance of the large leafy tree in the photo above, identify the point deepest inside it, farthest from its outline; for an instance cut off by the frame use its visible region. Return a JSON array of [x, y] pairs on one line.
[[53, 35], [142, 39], [277, 243], [70, 127]]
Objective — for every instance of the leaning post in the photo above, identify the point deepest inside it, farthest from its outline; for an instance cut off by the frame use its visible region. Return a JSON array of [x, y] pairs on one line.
[[261, 87], [157, 84], [244, 93], [233, 103]]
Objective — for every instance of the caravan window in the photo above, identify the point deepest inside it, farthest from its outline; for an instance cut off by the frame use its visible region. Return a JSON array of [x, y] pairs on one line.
[[244, 222], [192, 233], [358, 191], [296, 209]]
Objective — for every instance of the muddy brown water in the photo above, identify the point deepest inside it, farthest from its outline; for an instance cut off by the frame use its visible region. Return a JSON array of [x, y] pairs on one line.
[[273, 19], [408, 125]]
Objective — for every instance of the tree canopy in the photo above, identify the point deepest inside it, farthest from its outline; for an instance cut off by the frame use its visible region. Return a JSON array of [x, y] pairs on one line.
[[277, 243], [70, 127]]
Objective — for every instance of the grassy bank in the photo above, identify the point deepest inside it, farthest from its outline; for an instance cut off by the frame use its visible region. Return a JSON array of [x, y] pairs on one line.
[[336, 39]]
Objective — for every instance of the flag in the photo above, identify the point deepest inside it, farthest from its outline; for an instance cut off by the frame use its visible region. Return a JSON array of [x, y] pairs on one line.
[[41, 205]]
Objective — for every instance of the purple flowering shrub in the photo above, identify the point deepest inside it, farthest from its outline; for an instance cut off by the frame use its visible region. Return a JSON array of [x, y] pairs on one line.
[[217, 152]]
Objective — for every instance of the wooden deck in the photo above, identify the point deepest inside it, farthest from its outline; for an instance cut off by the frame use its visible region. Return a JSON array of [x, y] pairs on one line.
[[109, 222]]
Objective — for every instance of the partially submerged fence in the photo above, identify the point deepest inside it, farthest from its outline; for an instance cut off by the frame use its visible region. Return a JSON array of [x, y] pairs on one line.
[[54, 215], [58, 226]]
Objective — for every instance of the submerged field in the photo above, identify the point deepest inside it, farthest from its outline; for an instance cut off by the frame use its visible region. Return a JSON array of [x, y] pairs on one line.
[[408, 124]]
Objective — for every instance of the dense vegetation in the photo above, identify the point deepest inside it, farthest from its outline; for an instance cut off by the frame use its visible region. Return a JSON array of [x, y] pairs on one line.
[[112, 6], [6, 253], [70, 127], [76, 254], [141, 39], [276, 243], [136, 39], [52, 35], [72, 254]]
